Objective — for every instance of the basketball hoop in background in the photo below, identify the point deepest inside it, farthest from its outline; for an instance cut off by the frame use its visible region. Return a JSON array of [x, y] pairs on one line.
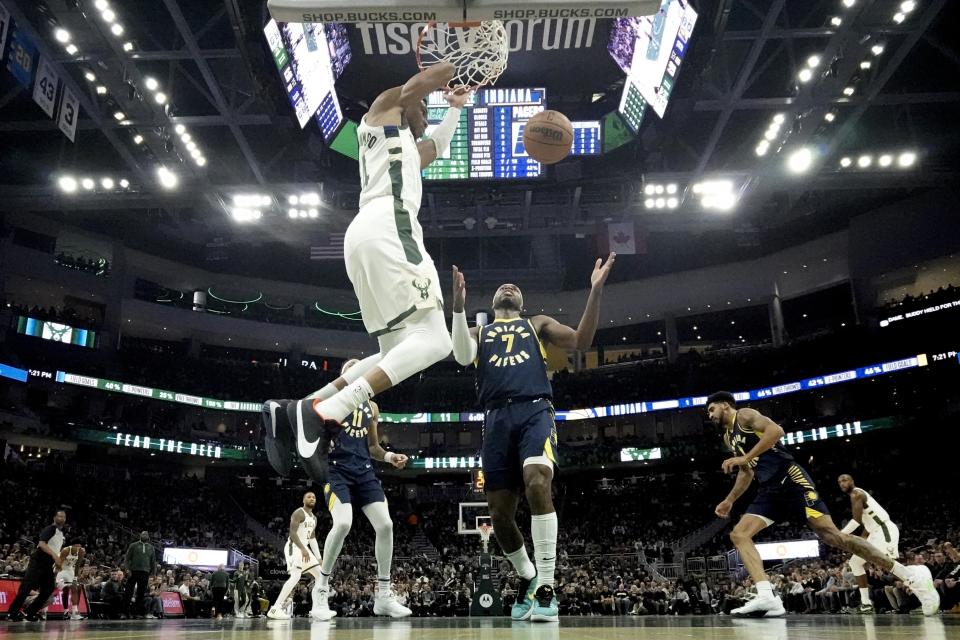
[[478, 51], [485, 531]]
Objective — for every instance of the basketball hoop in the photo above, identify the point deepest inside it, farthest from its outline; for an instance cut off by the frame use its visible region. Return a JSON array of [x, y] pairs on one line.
[[478, 50], [485, 531]]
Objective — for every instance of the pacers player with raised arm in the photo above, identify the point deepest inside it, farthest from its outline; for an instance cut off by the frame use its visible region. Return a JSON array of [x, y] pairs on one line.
[[878, 529], [353, 481], [393, 276], [519, 434], [786, 492], [302, 555]]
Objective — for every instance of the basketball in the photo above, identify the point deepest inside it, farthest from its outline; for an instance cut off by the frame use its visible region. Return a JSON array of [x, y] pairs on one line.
[[548, 137]]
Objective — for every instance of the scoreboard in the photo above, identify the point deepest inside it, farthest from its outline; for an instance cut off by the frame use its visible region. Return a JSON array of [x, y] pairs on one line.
[[488, 144], [586, 138]]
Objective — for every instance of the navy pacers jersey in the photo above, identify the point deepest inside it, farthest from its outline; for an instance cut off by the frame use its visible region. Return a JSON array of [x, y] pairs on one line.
[[511, 362], [350, 452], [771, 464]]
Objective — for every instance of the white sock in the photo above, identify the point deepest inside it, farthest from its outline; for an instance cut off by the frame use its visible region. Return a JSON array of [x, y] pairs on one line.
[[383, 586], [345, 402], [543, 530], [764, 588], [865, 595], [378, 513], [521, 562], [74, 609], [324, 581], [287, 589], [900, 571]]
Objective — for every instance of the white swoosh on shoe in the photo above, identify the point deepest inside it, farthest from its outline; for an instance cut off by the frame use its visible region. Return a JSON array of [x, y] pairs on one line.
[[305, 448]]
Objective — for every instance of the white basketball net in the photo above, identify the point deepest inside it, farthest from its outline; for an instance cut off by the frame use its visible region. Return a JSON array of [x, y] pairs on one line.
[[478, 50]]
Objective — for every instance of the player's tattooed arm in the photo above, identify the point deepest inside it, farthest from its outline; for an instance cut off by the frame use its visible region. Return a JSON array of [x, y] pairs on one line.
[[742, 483], [770, 431], [377, 452]]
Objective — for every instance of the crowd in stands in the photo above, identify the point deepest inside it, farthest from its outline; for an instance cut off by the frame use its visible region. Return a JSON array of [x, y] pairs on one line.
[[62, 314], [941, 295]]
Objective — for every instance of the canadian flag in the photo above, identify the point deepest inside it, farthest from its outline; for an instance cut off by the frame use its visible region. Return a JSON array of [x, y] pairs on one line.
[[622, 238]]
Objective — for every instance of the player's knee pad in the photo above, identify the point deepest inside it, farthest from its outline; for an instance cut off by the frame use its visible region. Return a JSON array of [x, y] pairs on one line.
[[857, 566]]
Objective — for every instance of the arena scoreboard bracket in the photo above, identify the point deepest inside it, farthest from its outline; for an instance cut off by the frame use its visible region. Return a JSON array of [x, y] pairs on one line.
[[454, 10]]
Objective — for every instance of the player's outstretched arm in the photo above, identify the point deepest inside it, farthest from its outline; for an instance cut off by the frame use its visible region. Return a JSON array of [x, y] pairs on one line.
[[424, 83], [377, 452], [582, 337], [439, 141], [464, 338]]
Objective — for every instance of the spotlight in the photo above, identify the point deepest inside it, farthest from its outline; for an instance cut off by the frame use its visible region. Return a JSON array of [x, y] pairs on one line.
[[864, 161], [800, 160], [779, 118], [108, 15], [649, 203], [671, 188], [876, 49], [101, 5], [88, 184], [302, 213], [899, 17], [661, 203], [762, 148], [845, 162], [89, 76], [186, 137], [191, 146], [771, 134], [805, 75], [106, 183], [659, 189], [313, 213], [829, 116], [672, 203], [119, 115], [907, 159], [849, 3], [201, 161], [292, 213], [160, 97], [836, 21], [650, 189], [124, 184], [813, 62], [310, 198], [68, 184], [128, 46], [266, 201], [724, 201], [848, 91], [885, 160], [168, 179], [116, 29], [195, 153], [152, 84], [101, 90], [62, 35], [138, 139], [294, 200], [907, 6], [72, 49], [866, 64]]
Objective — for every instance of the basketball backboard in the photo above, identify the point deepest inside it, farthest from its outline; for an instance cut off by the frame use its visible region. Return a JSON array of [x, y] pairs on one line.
[[353, 11], [470, 516]]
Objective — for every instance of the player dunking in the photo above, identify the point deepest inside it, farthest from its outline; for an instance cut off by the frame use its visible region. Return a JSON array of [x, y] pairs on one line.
[[785, 492], [353, 481], [393, 276], [519, 435], [302, 555], [878, 529]]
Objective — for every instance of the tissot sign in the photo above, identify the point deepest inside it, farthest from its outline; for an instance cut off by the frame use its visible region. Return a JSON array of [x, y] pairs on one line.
[[568, 55]]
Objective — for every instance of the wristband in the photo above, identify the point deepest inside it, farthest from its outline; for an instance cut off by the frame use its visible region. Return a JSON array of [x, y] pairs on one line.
[[389, 457]]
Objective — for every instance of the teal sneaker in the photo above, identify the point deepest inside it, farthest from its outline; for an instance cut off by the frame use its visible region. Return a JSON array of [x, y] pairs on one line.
[[524, 606], [545, 605]]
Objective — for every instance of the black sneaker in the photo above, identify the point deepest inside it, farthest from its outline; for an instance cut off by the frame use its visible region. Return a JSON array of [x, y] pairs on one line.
[[277, 435], [32, 617], [313, 437]]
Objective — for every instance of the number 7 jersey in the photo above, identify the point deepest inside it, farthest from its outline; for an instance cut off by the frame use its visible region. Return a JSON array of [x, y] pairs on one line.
[[511, 362]]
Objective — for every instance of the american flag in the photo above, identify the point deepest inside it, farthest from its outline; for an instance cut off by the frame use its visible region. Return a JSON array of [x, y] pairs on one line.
[[331, 250]]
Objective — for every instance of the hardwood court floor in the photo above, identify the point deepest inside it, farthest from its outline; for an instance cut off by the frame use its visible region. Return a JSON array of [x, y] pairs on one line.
[[884, 627]]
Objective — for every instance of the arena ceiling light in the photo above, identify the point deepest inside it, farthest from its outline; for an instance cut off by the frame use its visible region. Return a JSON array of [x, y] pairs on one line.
[[167, 178], [864, 161], [128, 46], [152, 84], [67, 184], [845, 162], [61, 35], [716, 194], [866, 64], [107, 183], [805, 75], [877, 49], [252, 200], [138, 139], [849, 3], [800, 160], [101, 5], [124, 183], [849, 91], [885, 160], [906, 159], [72, 49], [246, 215], [116, 29], [90, 77], [88, 184], [101, 90], [836, 21], [829, 116]]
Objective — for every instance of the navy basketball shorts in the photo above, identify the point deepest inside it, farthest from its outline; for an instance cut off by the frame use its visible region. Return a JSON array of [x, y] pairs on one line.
[[791, 496], [352, 487], [515, 433]]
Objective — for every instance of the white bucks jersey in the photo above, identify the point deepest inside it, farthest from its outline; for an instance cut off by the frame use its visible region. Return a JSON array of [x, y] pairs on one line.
[[389, 166], [307, 527], [70, 562], [875, 517]]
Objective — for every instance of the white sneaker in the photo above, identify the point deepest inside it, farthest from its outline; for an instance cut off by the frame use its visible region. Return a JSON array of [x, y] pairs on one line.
[[277, 614], [76, 616], [921, 583], [769, 606], [388, 606], [321, 607], [150, 616]]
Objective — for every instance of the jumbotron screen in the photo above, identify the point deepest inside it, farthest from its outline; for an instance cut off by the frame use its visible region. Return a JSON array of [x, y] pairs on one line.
[[309, 56], [650, 51], [586, 138], [489, 141]]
